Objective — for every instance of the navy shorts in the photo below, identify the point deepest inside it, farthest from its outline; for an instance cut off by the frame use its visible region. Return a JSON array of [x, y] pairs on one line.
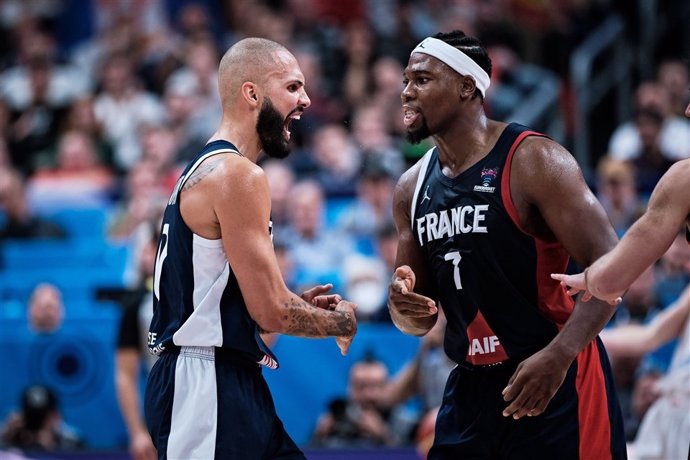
[[582, 421], [203, 404]]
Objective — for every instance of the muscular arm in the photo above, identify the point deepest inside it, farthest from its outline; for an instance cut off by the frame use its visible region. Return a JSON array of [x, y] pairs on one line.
[[554, 203], [648, 239], [550, 181], [637, 339], [412, 272], [238, 194]]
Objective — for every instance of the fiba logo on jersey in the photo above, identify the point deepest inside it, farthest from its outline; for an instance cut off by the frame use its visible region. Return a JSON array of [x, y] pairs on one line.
[[487, 175]]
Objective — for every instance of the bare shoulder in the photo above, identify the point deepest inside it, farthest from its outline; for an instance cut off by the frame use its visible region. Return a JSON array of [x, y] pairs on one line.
[[226, 173], [223, 185], [539, 155], [541, 167]]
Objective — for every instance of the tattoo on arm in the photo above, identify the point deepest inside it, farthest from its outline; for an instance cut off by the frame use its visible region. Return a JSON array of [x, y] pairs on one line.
[[306, 320], [203, 170]]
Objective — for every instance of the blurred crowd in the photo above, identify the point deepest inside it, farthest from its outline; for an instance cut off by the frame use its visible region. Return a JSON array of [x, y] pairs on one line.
[[102, 107]]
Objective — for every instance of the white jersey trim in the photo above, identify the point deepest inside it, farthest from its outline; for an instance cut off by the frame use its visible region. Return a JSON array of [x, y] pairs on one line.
[[420, 181], [194, 418], [205, 242]]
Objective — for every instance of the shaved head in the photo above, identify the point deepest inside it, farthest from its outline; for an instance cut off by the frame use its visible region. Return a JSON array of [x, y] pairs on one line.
[[251, 59]]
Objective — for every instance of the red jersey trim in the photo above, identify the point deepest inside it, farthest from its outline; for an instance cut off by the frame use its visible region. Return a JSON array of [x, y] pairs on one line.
[[505, 180], [552, 299], [592, 410]]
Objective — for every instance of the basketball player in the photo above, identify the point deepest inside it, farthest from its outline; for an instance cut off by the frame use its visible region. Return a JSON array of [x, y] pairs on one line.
[[483, 218], [217, 284]]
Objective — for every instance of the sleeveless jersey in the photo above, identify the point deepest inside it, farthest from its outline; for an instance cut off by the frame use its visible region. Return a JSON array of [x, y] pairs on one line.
[[197, 300], [492, 278]]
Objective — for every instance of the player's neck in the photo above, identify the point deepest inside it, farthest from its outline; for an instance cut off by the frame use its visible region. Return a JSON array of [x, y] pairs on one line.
[[466, 142], [244, 138]]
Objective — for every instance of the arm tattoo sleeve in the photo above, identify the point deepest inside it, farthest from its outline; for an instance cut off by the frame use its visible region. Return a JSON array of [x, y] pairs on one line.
[[308, 321]]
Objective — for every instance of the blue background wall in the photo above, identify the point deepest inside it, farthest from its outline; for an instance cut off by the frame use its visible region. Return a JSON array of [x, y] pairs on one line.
[[78, 363]]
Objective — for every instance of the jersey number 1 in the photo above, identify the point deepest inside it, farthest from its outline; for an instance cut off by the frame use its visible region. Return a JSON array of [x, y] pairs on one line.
[[455, 258]]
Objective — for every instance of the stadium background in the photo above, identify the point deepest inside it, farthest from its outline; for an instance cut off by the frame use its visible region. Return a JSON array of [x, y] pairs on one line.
[[572, 75]]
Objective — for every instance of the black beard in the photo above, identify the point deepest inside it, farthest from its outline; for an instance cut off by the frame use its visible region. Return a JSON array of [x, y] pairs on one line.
[[270, 126], [415, 137]]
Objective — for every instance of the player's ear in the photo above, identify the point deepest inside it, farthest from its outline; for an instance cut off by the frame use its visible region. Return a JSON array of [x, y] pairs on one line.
[[250, 92], [467, 87]]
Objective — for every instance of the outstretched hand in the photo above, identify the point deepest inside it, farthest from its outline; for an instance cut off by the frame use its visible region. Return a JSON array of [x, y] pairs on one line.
[[577, 283], [317, 297], [402, 297]]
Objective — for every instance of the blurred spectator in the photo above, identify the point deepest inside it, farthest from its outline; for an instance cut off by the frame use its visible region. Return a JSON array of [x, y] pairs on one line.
[[194, 20], [37, 91], [639, 302], [617, 192], [81, 117], [77, 178], [317, 251], [280, 181], [632, 381], [360, 54], [366, 285], [123, 107], [425, 376], [372, 136], [132, 355], [337, 159], [654, 138], [159, 148], [200, 76], [19, 220], [665, 402], [39, 426], [374, 201], [188, 124], [323, 109], [674, 76], [143, 203], [117, 32], [387, 245], [357, 421], [143, 199], [285, 264], [46, 310]]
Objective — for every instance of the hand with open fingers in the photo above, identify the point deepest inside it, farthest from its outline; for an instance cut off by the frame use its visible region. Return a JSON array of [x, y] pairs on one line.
[[533, 384], [317, 296], [344, 341], [577, 283], [404, 300]]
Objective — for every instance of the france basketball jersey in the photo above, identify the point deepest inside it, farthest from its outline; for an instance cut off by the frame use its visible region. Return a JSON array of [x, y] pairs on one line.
[[493, 279], [197, 300]]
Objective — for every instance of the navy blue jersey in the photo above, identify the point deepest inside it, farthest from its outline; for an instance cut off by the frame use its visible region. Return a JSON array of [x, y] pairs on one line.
[[197, 301], [492, 278]]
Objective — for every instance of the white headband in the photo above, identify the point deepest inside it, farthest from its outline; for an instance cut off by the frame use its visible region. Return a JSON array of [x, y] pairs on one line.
[[456, 59]]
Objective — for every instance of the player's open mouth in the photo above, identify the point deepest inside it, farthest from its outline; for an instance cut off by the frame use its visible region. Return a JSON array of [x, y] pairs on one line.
[[296, 114], [410, 116]]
